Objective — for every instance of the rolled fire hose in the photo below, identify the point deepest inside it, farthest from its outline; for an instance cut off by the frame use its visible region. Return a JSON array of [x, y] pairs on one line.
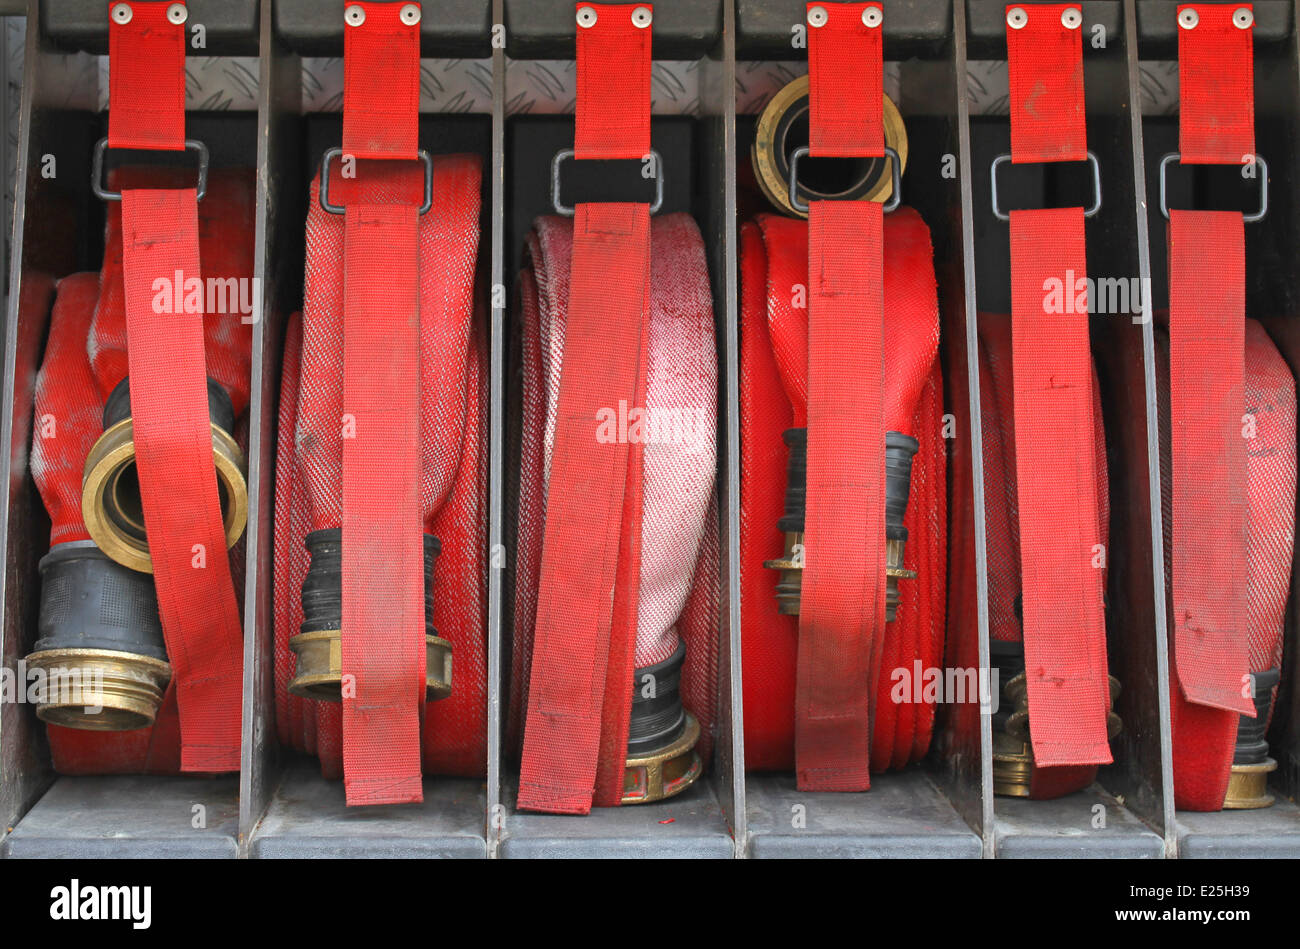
[[674, 684], [453, 485], [1014, 771], [774, 369], [1222, 760], [99, 613]]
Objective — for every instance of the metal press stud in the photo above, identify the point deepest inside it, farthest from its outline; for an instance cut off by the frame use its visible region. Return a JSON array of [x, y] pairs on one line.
[[586, 16], [176, 13], [1017, 18], [871, 17], [354, 15], [1071, 18], [122, 13], [641, 17], [410, 14], [817, 16], [1188, 19], [1242, 18]]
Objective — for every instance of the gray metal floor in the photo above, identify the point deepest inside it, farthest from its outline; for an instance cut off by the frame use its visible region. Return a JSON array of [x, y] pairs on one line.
[[903, 815], [307, 817], [1267, 832], [131, 816], [689, 825], [1066, 827]]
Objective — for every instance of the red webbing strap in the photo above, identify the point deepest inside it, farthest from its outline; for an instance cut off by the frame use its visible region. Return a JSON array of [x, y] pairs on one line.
[[842, 604], [586, 613], [383, 653], [146, 79], [1056, 475], [1207, 326], [169, 400]]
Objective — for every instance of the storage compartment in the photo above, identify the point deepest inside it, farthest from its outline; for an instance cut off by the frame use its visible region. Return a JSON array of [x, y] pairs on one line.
[[289, 808], [1272, 294], [1122, 814], [59, 230], [936, 807], [690, 130]]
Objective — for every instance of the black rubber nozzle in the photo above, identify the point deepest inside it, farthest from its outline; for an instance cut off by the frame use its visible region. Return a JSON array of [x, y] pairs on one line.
[[89, 601], [220, 410], [1252, 748], [796, 480], [658, 717], [322, 588], [899, 451]]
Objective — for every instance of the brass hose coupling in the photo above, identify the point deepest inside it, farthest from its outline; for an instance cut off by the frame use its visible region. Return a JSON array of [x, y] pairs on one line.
[[99, 651], [111, 504], [661, 756], [319, 643], [1013, 751], [899, 451], [1251, 764], [783, 128]]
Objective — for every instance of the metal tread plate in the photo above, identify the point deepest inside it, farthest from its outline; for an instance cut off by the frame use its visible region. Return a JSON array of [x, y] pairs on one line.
[[308, 818], [688, 825], [903, 815], [1088, 823], [1267, 832], [131, 816]]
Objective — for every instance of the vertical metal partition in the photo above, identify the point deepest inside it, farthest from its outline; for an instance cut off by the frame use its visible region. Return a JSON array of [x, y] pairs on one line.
[[288, 808], [58, 228], [693, 129], [1121, 814], [1272, 297], [937, 809]]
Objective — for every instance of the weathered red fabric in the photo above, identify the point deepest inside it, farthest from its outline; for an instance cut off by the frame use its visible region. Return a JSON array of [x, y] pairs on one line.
[[453, 451], [773, 387]]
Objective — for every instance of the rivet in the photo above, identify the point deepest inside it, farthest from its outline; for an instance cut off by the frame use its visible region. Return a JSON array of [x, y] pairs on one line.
[[817, 16], [1017, 18], [177, 13], [872, 17], [354, 15], [122, 13], [1188, 18], [1071, 18], [641, 17], [410, 14], [1243, 18], [586, 16]]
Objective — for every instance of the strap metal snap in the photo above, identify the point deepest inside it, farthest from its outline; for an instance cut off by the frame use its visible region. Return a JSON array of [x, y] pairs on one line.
[[1261, 173], [97, 169], [337, 152], [1002, 159]]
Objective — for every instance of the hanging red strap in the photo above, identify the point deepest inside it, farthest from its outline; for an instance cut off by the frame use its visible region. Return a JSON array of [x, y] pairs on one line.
[[1207, 325], [383, 652], [579, 697], [1056, 475], [169, 400], [842, 602]]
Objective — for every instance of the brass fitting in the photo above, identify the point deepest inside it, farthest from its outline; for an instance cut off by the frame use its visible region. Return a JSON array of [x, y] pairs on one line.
[[1251, 765], [99, 647], [899, 451], [1013, 750], [783, 127], [111, 504], [661, 734], [319, 643]]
